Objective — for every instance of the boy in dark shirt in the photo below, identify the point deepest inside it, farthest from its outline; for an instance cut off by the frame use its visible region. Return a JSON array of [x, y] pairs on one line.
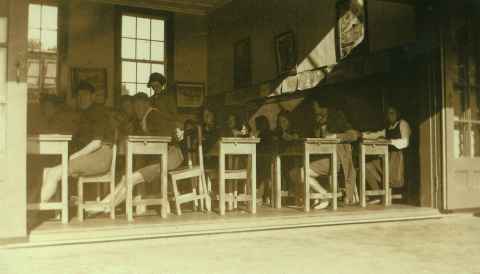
[[92, 142]]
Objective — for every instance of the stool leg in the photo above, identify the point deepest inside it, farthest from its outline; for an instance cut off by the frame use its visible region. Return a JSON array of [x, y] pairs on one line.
[[80, 200], [334, 181], [363, 198], [201, 193]]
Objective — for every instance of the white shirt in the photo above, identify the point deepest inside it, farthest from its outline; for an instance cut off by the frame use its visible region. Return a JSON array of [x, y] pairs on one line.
[[400, 143]]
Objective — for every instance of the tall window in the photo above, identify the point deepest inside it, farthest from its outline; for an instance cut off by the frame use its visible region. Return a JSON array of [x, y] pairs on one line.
[[143, 52], [42, 49]]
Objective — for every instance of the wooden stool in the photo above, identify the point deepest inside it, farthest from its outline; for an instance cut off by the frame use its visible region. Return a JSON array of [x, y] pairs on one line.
[[374, 147]]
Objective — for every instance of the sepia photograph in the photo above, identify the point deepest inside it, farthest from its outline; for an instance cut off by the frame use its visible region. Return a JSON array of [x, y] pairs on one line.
[[239, 136]]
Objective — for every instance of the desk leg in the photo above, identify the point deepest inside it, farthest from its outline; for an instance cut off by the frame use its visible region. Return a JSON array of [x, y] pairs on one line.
[[164, 186], [361, 164], [65, 185], [221, 181], [278, 181], [128, 177], [386, 179], [253, 181], [334, 180], [306, 169]]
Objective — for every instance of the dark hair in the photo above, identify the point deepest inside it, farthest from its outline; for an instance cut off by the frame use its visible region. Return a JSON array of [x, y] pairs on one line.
[[237, 120], [53, 99], [125, 98], [262, 123], [283, 113], [156, 77], [84, 85], [140, 96]]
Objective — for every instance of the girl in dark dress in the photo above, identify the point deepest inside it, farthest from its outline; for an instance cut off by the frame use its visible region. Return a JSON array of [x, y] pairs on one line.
[[264, 156]]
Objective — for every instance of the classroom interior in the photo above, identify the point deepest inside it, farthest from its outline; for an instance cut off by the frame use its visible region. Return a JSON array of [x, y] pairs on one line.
[[117, 44]]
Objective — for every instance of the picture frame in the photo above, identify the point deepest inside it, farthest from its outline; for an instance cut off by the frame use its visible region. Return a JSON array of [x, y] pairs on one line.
[[351, 28], [286, 53], [242, 70], [190, 95], [95, 76]]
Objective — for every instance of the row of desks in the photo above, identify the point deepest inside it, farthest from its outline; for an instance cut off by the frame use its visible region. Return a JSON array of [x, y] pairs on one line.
[[152, 145]]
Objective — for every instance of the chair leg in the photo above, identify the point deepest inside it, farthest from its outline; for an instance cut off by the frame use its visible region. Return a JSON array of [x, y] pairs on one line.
[[80, 200], [112, 201], [176, 195], [201, 193]]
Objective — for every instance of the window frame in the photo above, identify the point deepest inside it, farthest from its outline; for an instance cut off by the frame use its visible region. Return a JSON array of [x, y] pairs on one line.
[[168, 62], [41, 55]]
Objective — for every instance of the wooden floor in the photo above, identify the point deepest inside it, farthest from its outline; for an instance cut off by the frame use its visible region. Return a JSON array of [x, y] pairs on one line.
[[199, 223]]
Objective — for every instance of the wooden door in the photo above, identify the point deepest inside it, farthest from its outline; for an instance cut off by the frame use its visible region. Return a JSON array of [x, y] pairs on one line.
[[462, 112]]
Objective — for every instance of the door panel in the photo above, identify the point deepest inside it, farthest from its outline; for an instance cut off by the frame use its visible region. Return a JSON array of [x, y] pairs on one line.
[[462, 114]]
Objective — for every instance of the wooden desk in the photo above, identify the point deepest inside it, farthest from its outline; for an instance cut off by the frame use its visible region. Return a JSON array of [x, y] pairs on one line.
[[146, 145], [294, 150], [374, 147], [50, 144], [320, 146], [238, 146]]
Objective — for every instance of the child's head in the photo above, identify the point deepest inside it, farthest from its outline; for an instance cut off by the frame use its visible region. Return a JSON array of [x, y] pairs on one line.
[[233, 121], [49, 105], [126, 105], [208, 116], [283, 120], [261, 123], [189, 124]]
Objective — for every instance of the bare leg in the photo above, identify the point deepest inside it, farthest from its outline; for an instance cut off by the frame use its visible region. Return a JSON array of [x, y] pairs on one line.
[[121, 189], [51, 178]]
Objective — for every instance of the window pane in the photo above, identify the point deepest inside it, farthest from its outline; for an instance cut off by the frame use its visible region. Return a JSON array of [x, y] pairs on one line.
[[33, 82], [34, 43], [51, 68], [34, 16], [128, 48], [143, 50], [157, 51], [158, 68], [143, 72], [49, 17], [475, 140], [33, 68], [51, 84], [128, 26], [158, 30], [49, 41], [129, 72], [129, 89], [143, 28], [460, 139]]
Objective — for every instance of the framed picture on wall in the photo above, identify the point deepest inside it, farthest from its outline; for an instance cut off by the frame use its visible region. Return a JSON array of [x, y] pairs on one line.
[[242, 71], [190, 95], [351, 28], [95, 76], [286, 53]]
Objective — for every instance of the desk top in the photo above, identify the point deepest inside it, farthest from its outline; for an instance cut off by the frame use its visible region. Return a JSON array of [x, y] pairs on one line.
[[240, 140], [321, 141], [156, 139], [384, 142], [50, 137]]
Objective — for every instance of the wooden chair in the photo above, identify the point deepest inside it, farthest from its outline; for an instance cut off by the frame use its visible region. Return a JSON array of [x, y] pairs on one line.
[[234, 174], [195, 172], [108, 178]]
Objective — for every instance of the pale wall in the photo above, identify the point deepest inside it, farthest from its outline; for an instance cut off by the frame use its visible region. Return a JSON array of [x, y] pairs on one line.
[[313, 23]]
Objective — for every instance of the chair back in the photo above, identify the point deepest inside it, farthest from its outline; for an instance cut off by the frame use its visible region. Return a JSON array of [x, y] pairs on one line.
[[114, 155], [193, 140]]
